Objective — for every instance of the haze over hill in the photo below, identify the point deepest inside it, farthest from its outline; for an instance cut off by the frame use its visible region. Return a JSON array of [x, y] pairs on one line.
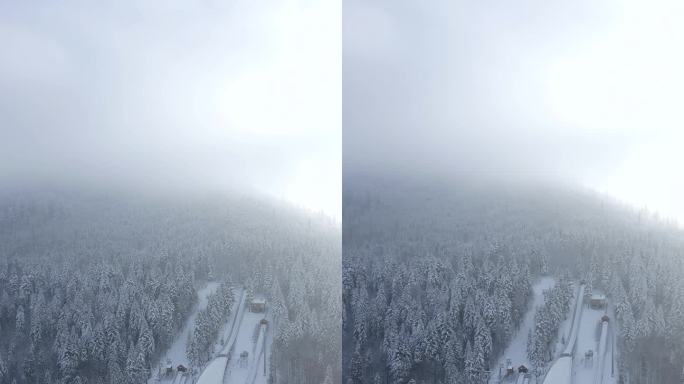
[[485, 147], [172, 95], [585, 93], [163, 166]]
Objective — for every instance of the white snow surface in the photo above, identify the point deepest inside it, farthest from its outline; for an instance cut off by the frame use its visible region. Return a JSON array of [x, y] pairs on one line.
[[601, 355], [237, 373], [517, 349], [213, 373], [560, 372], [576, 321], [565, 329], [261, 378]]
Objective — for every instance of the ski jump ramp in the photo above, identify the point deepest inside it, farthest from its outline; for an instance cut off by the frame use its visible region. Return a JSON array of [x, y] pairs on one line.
[[561, 369], [601, 355]]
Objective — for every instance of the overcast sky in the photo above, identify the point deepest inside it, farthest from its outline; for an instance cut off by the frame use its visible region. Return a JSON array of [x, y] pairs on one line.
[[585, 92], [174, 94]]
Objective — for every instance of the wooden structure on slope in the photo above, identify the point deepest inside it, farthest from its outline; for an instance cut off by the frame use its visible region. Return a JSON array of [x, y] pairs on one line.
[[258, 304], [597, 301]]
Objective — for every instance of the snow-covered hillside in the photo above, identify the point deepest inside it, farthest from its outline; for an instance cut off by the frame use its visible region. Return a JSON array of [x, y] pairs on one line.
[[436, 279], [102, 286]]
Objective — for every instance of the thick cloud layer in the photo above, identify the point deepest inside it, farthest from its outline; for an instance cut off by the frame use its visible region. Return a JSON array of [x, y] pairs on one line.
[[583, 92], [174, 94]]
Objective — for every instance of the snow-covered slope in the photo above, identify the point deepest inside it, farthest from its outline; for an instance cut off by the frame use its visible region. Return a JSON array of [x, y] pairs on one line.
[[560, 372], [213, 373], [576, 321], [589, 337], [238, 368]]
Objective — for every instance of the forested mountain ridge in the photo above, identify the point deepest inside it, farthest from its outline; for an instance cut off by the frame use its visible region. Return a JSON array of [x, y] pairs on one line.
[[452, 263], [94, 286]]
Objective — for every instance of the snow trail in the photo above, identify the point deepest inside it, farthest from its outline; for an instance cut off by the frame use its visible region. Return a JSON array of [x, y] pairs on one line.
[[560, 372], [214, 372], [234, 330], [569, 348]]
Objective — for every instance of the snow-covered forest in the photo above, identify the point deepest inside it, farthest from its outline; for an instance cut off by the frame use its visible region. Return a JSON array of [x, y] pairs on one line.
[[208, 324], [437, 276], [95, 286], [547, 321]]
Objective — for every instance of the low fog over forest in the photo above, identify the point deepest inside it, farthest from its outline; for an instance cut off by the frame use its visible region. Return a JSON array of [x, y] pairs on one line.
[[512, 192], [95, 286], [170, 192], [438, 275]]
